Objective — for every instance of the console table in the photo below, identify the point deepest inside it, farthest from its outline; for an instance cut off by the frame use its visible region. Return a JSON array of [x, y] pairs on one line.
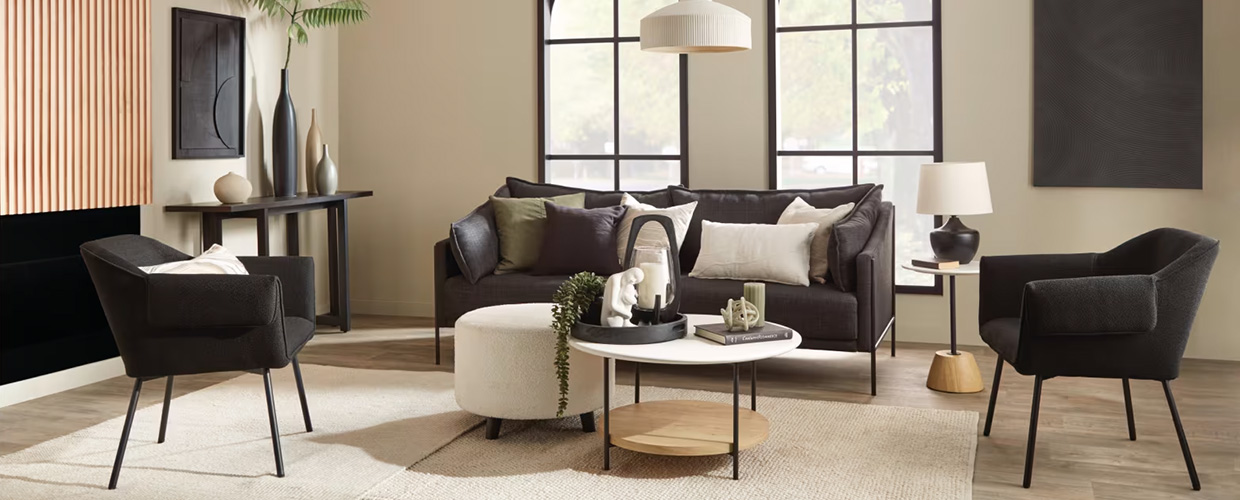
[[262, 208]]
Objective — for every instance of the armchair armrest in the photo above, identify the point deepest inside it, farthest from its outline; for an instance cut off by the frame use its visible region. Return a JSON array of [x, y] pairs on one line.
[[296, 279], [876, 280], [1003, 278], [1091, 306], [212, 300], [475, 244]]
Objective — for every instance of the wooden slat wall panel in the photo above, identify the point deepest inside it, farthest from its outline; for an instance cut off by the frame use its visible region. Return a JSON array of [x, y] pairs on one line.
[[76, 97]]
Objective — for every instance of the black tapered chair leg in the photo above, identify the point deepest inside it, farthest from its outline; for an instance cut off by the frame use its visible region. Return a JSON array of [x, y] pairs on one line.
[[1132, 424], [893, 338], [301, 392], [493, 425], [994, 396], [1179, 432], [275, 426], [1033, 429], [587, 421], [120, 450], [163, 420], [436, 344]]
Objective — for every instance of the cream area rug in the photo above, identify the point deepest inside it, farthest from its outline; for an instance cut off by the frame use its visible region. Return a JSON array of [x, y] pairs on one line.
[[816, 450], [368, 426]]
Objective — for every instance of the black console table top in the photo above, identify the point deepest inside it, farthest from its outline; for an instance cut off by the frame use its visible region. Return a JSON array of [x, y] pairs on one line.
[[268, 202]]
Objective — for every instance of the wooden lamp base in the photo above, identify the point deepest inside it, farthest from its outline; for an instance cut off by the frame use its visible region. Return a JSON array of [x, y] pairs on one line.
[[954, 373]]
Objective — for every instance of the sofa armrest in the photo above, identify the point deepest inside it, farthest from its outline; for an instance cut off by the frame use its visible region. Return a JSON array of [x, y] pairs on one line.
[[475, 243], [1091, 306], [1002, 281], [876, 280], [296, 279], [196, 301], [445, 267]]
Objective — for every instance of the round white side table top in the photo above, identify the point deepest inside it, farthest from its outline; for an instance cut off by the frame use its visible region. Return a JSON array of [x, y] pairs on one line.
[[964, 270], [691, 349]]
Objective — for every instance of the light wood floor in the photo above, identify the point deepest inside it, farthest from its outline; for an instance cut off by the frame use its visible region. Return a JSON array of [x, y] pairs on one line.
[[1083, 450]]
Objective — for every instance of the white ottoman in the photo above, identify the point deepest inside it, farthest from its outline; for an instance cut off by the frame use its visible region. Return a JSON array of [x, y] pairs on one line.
[[505, 368]]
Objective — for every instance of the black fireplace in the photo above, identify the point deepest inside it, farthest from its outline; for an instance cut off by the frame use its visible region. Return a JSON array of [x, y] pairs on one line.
[[50, 318]]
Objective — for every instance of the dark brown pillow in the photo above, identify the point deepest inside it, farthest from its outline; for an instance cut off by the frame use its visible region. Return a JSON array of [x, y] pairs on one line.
[[578, 240], [848, 238]]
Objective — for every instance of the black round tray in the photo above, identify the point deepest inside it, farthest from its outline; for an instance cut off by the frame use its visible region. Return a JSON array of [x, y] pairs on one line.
[[641, 334]]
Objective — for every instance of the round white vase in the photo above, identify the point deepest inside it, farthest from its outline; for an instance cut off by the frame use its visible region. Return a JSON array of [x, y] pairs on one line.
[[232, 188], [326, 177]]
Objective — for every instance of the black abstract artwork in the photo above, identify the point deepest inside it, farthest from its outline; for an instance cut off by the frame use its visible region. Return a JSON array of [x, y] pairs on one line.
[[208, 85], [1117, 93]]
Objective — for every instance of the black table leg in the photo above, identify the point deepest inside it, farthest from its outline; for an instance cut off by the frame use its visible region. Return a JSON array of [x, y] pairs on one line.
[[343, 268], [637, 383], [264, 233], [736, 421], [292, 235], [212, 230], [952, 282], [606, 414], [753, 386], [338, 267]]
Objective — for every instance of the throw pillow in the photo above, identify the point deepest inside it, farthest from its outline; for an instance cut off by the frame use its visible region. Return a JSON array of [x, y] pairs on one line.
[[474, 243], [652, 234], [520, 223], [578, 240], [764, 252], [800, 212], [848, 238], [216, 260]]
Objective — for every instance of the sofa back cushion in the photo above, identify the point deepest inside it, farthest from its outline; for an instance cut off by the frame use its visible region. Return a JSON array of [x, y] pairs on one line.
[[520, 188], [750, 207], [848, 238], [520, 224], [579, 240]]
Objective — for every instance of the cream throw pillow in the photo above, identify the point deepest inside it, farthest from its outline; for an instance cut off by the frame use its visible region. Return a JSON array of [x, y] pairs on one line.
[[764, 252], [800, 212], [216, 260], [651, 235]]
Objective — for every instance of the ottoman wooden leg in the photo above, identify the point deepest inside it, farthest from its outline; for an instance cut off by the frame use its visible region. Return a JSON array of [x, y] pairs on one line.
[[493, 425]]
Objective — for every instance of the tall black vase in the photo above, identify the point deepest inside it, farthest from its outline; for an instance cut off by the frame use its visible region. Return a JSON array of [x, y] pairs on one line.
[[284, 142]]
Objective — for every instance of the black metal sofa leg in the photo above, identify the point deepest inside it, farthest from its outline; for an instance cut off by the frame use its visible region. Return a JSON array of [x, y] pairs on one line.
[[436, 344], [120, 450], [163, 420], [275, 426], [1033, 430], [493, 425], [994, 396], [1179, 431], [301, 392], [1132, 424], [874, 370]]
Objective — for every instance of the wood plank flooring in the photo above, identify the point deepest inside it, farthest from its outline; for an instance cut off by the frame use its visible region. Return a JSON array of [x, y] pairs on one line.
[[1083, 449]]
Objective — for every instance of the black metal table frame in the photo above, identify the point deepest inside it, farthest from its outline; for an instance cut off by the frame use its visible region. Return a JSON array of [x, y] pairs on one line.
[[637, 398]]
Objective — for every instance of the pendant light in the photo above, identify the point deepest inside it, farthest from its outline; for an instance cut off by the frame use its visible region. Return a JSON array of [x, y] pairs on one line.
[[695, 26]]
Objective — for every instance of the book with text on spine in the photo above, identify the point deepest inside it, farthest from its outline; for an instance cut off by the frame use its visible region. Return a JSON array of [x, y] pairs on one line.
[[718, 333]]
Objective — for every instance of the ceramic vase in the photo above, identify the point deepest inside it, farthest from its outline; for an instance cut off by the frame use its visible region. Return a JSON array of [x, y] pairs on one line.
[[314, 147], [284, 142], [326, 177], [232, 188]]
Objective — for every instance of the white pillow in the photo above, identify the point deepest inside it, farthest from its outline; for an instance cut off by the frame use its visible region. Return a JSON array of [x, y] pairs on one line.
[[800, 212], [764, 252], [216, 260], [652, 235]]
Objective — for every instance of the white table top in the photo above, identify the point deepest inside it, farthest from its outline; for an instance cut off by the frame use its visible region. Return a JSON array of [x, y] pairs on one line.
[[690, 350], [964, 270]]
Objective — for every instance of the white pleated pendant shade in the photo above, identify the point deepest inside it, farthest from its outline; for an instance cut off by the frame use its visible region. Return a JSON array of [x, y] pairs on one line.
[[695, 26]]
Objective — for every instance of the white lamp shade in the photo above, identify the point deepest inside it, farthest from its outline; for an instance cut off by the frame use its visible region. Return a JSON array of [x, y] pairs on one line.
[[953, 189], [690, 26]]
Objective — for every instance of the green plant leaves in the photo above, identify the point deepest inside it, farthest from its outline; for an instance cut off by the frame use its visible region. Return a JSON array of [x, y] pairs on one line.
[[571, 300], [296, 32], [336, 13]]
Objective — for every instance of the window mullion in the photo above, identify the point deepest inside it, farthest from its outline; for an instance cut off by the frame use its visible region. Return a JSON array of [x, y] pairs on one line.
[[855, 132], [615, 75]]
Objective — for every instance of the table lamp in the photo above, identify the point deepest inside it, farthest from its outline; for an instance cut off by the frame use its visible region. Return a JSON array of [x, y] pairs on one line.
[[952, 189]]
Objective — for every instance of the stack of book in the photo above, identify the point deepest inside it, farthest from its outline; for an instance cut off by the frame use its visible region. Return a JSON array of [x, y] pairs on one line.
[[933, 263], [719, 333]]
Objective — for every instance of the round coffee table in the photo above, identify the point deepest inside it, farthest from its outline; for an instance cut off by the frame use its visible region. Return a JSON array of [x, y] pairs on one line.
[[686, 428]]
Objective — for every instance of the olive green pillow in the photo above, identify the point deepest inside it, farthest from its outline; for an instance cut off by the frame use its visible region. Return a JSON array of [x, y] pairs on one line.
[[520, 223]]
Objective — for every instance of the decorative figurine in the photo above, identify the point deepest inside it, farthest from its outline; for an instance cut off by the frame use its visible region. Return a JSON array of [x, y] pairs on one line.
[[619, 296], [739, 315]]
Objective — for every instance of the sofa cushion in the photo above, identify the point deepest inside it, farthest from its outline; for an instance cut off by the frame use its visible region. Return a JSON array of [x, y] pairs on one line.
[[816, 312], [758, 252], [461, 296], [520, 224], [848, 238], [578, 240], [475, 243], [520, 188], [750, 207]]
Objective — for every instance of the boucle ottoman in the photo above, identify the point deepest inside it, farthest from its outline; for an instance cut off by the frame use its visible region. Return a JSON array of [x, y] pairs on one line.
[[505, 368]]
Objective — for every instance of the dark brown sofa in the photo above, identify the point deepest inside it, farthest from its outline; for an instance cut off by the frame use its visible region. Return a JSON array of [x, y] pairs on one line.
[[826, 316]]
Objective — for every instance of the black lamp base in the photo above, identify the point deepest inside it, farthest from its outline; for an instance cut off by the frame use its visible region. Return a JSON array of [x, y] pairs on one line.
[[955, 241]]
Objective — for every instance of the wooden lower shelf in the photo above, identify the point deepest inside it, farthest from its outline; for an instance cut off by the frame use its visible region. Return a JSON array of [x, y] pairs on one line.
[[684, 428]]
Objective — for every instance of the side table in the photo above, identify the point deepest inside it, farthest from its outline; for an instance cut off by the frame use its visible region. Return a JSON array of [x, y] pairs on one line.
[[953, 371]]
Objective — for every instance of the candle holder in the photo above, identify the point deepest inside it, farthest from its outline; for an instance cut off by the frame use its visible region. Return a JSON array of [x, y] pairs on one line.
[[659, 265]]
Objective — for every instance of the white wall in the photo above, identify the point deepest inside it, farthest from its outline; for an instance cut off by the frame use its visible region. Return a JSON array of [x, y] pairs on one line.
[[438, 101]]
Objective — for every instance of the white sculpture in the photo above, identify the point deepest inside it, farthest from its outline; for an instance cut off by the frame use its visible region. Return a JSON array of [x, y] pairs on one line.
[[739, 315], [619, 295]]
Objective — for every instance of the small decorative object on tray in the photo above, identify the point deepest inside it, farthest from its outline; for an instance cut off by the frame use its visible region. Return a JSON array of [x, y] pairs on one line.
[[739, 315], [719, 333], [934, 263], [755, 293], [619, 297]]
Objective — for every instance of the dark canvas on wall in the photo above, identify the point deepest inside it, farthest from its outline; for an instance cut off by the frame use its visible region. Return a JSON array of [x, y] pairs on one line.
[[208, 85], [1117, 93]]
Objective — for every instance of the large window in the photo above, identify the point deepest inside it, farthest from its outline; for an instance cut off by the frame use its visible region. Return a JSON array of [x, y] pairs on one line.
[[610, 116], [855, 98]]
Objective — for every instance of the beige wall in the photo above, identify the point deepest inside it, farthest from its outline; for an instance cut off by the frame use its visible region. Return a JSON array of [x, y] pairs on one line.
[[437, 112], [313, 85]]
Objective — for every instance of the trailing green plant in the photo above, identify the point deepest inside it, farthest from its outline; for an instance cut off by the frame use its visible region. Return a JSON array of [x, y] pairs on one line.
[[571, 301], [333, 14]]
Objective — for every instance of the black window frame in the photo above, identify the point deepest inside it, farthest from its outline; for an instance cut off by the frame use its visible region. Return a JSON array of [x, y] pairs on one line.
[[772, 58], [544, 42]]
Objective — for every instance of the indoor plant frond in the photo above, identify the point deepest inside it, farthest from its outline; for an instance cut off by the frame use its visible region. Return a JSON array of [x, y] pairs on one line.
[[332, 14], [336, 13]]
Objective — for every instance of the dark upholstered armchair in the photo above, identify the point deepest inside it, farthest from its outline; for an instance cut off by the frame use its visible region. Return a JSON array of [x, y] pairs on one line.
[[181, 324], [1123, 314]]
